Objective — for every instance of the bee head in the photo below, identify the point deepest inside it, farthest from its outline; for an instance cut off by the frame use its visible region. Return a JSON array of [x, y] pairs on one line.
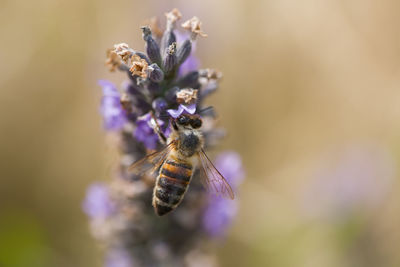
[[186, 120]]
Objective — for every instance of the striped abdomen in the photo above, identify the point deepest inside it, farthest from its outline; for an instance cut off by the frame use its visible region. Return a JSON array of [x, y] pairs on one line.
[[171, 185]]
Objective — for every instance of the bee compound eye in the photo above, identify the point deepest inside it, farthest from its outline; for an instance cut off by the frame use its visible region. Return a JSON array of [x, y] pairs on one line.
[[196, 123], [182, 120]]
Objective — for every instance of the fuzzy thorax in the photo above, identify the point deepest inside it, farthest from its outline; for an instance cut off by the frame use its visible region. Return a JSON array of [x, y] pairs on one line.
[[189, 141]]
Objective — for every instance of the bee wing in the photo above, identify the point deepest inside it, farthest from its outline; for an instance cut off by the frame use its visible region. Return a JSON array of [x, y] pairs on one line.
[[151, 162], [212, 179]]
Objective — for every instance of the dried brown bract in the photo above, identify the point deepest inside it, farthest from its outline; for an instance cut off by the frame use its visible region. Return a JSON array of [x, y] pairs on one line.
[[155, 27], [211, 74], [186, 96], [194, 25], [126, 102], [123, 51], [139, 66], [173, 16], [113, 61]]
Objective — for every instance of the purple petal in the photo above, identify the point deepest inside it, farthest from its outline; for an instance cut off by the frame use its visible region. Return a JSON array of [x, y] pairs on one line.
[[220, 212], [167, 131], [191, 109], [230, 165], [109, 89], [151, 142], [114, 117], [358, 181], [175, 113], [219, 215], [181, 36], [190, 64], [97, 203], [145, 133], [159, 104], [118, 258]]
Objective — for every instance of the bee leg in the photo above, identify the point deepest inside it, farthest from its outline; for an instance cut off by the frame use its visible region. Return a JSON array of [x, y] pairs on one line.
[[157, 129], [173, 123]]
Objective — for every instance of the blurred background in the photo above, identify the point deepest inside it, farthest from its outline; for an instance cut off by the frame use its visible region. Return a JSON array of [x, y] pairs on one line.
[[310, 99]]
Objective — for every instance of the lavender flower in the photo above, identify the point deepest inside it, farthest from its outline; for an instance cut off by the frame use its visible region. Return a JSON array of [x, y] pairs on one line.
[[220, 211], [191, 63], [113, 114], [97, 203], [159, 105], [175, 113], [219, 215], [145, 133], [229, 163], [163, 82], [118, 258], [358, 182]]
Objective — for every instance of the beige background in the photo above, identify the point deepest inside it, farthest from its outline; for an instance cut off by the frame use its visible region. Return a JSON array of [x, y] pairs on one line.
[[304, 83]]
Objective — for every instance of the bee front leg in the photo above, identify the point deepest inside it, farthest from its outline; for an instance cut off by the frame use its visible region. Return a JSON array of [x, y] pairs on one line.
[[157, 129]]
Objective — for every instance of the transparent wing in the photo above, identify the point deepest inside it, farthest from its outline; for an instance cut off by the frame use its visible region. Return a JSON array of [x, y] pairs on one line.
[[151, 162], [212, 179]]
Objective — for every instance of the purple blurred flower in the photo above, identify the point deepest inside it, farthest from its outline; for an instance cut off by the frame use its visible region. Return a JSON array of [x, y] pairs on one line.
[[221, 211], [219, 215], [118, 258], [357, 182], [113, 115], [97, 203], [175, 113], [229, 163], [159, 105], [191, 63], [145, 133]]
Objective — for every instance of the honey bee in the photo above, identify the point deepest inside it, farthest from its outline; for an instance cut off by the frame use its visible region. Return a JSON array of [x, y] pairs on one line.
[[176, 164]]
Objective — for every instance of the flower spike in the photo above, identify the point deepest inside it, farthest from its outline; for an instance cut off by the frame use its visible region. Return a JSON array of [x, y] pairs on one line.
[[143, 118]]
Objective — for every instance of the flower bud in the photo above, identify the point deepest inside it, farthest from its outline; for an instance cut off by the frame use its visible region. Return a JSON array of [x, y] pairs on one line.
[[143, 56], [159, 105], [190, 80], [184, 51], [168, 39], [152, 48], [154, 88], [170, 95], [170, 61], [155, 73]]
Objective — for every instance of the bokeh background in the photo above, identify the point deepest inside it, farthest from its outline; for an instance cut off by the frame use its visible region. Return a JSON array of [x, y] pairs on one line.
[[310, 99]]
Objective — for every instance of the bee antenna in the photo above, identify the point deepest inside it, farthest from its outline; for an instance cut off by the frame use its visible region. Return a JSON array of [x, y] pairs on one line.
[[207, 111]]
